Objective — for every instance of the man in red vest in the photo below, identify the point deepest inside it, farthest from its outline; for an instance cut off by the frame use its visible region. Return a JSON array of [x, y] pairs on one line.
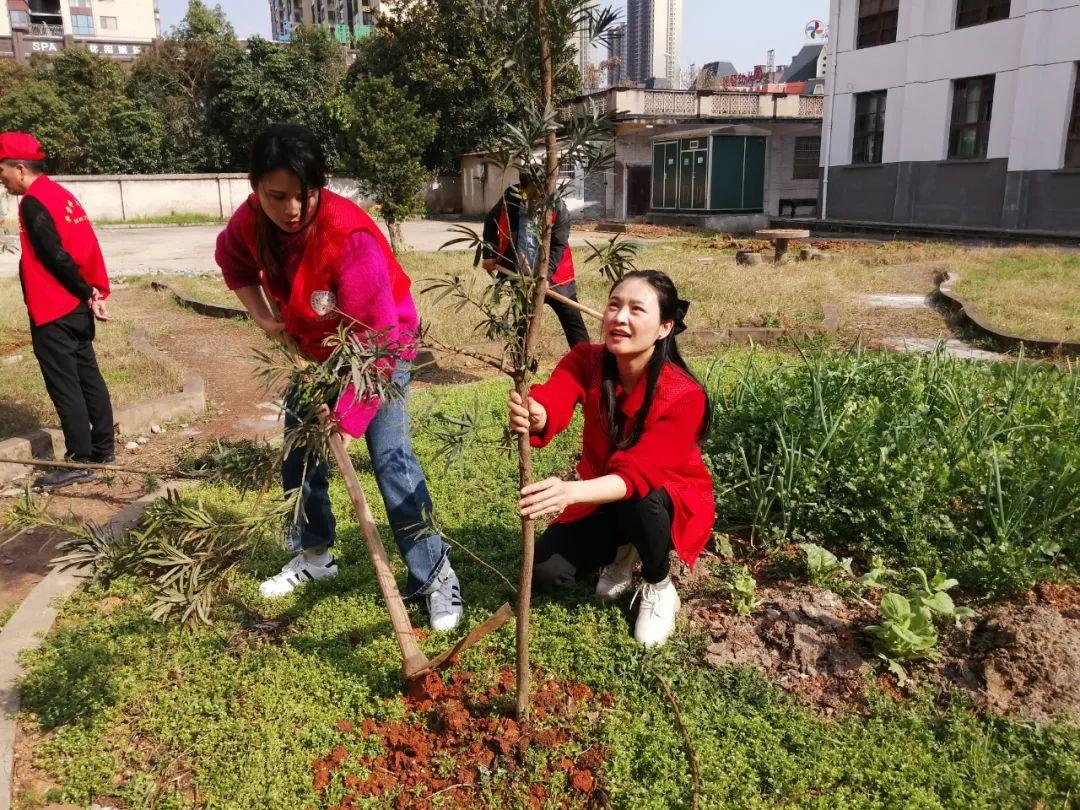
[[65, 286], [508, 234]]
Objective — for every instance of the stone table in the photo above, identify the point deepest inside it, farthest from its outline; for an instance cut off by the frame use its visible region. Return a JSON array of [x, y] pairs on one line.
[[780, 239]]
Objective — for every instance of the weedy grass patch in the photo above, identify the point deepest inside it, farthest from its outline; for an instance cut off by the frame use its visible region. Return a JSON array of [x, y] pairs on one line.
[[973, 468], [236, 715]]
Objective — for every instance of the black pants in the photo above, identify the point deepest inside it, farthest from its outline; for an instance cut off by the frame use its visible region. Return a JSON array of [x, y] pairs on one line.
[[569, 318], [594, 540], [65, 351]]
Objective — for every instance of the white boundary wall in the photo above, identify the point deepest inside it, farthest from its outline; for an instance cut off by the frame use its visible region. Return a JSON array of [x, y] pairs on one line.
[[132, 197]]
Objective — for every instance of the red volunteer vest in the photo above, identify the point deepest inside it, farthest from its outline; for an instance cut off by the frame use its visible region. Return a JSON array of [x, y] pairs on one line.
[[564, 273], [46, 298], [309, 305]]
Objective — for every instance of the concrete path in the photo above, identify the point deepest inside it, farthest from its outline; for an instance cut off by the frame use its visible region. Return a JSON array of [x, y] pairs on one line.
[[954, 348], [190, 249]]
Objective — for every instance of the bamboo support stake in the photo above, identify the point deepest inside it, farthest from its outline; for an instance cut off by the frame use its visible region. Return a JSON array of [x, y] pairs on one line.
[[570, 302]]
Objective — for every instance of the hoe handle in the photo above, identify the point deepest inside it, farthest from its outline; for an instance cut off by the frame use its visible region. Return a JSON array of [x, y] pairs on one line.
[[413, 658]]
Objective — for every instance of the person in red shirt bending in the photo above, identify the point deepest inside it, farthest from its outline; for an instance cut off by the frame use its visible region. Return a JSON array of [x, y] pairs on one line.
[[304, 261], [644, 488]]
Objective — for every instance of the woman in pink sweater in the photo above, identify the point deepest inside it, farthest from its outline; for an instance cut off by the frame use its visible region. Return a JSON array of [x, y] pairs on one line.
[[303, 260]]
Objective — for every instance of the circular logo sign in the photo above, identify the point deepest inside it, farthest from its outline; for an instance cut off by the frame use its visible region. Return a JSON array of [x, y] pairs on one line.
[[815, 29]]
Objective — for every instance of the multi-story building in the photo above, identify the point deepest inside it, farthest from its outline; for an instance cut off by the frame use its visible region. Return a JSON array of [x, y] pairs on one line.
[[962, 113], [119, 29], [346, 19], [616, 56], [653, 39], [589, 57]]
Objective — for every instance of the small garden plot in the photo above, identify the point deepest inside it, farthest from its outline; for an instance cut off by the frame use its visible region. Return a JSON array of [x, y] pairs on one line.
[[1032, 292], [292, 704]]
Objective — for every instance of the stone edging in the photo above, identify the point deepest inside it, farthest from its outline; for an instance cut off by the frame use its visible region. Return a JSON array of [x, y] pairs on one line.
[[136, 417], [743, 335], [26, 628], [201, 307], [1005, 340]]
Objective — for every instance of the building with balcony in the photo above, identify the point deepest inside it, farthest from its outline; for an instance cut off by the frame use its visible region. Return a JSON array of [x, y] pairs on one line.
[[960, 114], [118, 29], [715, 160], [346, 19], [724, 160]]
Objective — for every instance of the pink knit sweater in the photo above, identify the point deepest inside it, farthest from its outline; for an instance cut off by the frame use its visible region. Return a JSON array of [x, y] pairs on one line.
[[363, 295]]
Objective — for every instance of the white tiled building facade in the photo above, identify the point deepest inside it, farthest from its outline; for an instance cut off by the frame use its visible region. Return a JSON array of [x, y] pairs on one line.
[[119, 29], [954, 112]]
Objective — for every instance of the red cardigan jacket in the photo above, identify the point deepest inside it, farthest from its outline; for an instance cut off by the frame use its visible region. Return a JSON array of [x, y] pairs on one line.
[[667, 454]]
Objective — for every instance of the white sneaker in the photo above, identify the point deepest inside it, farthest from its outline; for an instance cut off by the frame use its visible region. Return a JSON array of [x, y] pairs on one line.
[[444, 601], [297, 571], [616, 577], [660, 605]]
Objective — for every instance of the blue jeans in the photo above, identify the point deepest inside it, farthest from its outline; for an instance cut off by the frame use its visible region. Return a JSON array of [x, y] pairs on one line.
[[401, 483]]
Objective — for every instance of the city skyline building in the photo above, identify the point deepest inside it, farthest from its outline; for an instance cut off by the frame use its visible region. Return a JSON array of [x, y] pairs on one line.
[[653, 39], [346, 19]]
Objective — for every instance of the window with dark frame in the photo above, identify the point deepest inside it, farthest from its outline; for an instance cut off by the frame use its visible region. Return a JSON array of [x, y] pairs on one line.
[[1072, 142], [807, 158], [973, 105], [866, 146], [977, 12], [877, 22]]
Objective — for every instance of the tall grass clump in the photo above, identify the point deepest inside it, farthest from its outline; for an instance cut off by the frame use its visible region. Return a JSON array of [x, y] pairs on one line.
[[930, 461]]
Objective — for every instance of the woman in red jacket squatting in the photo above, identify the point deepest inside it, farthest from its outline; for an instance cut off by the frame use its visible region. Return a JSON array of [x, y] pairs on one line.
[[321, 261], [644, 488]]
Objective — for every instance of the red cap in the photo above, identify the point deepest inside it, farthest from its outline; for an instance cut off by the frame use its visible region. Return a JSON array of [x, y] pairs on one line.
[[20, 146]]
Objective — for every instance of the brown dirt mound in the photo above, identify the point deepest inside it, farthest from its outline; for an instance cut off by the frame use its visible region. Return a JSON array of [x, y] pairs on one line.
[[456, 741], [805, 638], [1023, 659]]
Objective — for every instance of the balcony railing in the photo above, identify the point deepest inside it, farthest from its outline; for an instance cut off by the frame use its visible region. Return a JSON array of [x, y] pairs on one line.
[[46, 31], [636, 102], [811, 106]]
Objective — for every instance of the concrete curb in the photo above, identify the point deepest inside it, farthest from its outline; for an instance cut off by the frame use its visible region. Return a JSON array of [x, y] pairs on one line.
[[26, 629], [129, 419], [201, 307], [1005, 340]]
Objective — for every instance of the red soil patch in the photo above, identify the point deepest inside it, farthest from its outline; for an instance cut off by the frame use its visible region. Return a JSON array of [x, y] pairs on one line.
[[457, 740]]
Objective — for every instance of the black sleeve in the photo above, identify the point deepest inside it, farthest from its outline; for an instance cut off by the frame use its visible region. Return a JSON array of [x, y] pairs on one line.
[[560, 238], [41, 231], [491, 231]]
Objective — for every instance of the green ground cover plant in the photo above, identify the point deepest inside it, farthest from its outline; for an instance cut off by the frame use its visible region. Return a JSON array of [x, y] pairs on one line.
[[968, 467], [233, 715]]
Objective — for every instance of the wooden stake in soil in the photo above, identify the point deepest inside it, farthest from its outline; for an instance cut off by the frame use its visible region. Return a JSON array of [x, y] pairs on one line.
[[414, 662]]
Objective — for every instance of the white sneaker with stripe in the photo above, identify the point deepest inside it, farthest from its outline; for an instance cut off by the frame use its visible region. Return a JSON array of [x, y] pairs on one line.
[[444, 601], [297, 571]]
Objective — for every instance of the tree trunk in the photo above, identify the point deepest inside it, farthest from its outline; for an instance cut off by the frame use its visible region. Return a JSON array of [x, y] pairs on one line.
[[521, 380], [397, 235]]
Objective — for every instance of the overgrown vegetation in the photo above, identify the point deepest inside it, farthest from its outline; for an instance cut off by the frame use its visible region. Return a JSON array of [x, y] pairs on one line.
[[968, 467], [154, 716]]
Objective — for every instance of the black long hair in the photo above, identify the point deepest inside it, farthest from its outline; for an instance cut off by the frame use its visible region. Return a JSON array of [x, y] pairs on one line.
[[666, 351], [294, 148]]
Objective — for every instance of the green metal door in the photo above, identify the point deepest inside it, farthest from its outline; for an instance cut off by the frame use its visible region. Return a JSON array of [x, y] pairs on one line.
[[754, 176], [738, 173], [693, 173], [665, 175], [727, 172]]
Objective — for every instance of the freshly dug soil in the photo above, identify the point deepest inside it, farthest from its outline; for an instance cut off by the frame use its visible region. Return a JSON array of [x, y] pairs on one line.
[[1019, 659], [457, 742], [1024, 659]]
